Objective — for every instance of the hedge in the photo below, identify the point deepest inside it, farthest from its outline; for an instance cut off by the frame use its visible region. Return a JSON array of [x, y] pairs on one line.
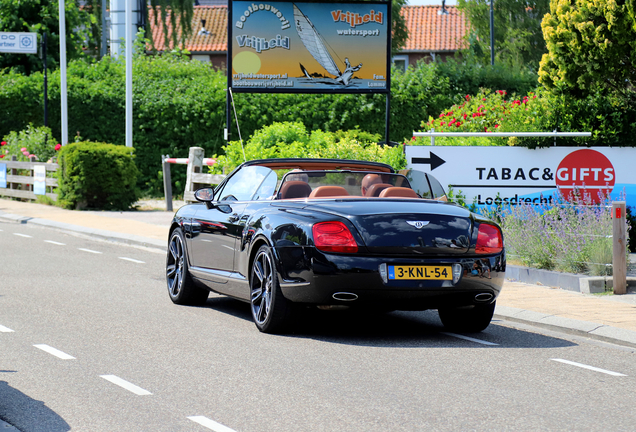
[[97, 176], [180, 103]]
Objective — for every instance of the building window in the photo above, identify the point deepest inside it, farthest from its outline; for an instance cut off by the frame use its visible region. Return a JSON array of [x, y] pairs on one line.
[[200, 57], [401, 62]]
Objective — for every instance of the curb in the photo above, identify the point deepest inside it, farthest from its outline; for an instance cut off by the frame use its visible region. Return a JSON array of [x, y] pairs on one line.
[[588, 329], [6, 427], [129, 239]]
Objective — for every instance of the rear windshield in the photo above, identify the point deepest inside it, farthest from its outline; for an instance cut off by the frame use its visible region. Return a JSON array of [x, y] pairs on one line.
[[301, 184]]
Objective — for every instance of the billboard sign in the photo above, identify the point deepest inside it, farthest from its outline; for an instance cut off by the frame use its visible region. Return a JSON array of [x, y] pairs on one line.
[[512, 175], [309, 47], [19, 42]]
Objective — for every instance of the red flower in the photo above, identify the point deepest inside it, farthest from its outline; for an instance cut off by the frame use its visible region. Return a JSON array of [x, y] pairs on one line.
[[467, 97], [485, 128], [484, 99], [496, 125], [449, 113], [464, 115], [458, 124], [1, 156], [442, 123], [3, 143], [58, 146], [441, 115]]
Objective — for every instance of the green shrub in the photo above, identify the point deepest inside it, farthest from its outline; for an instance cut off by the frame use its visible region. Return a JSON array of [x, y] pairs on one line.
[[35, 141], [178, 103], [292, 140], [97, 176]]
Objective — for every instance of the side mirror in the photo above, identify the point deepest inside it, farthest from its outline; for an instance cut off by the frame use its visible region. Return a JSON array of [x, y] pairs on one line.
[[205, 195]]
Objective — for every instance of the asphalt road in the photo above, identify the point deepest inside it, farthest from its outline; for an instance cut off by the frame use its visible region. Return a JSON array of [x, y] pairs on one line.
[[89, 341]]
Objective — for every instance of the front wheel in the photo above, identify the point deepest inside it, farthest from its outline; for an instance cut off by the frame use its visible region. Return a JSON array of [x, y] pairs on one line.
[[181, 287], [467, 320], [270, 310]]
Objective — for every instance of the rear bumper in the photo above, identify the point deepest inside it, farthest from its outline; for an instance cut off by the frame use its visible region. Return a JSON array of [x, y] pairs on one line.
[[314, 278]]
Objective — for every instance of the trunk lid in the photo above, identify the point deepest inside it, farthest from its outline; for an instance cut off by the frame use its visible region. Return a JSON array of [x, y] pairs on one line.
[[405, 227]]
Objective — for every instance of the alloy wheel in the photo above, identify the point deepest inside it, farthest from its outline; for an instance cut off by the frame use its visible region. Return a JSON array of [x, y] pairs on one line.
[[174, 266], [261, 287]]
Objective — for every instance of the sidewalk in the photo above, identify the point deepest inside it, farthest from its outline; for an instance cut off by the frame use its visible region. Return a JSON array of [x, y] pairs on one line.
[[608, 317]]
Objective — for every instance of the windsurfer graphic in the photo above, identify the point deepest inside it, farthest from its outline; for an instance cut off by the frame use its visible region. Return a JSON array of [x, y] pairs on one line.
[[316, 46], [348, 72]]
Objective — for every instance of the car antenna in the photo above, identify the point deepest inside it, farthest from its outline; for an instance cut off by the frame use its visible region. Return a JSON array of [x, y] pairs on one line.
[[237, 124]]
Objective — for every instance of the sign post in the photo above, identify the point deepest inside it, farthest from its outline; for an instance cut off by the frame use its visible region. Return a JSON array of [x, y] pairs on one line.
[[619, 248]]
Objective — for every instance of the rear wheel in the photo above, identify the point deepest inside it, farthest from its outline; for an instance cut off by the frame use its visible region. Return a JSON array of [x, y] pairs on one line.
[[181, 287], [467, 320], [270, 310]]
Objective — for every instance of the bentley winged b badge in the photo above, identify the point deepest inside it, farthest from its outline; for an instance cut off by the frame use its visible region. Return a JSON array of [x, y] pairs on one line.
[[418, 224]]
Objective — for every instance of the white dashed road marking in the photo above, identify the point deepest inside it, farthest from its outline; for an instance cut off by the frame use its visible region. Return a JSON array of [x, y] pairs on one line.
[[592, 368], [132, 260], [125, 384], [22, 235], [479, 341], [4, 329], [55, 352], [210, 424], [89, 250], [55, 243]]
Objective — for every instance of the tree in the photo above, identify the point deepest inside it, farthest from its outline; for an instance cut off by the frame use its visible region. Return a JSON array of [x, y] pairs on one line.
[[400, 32], [518, 36], [42, 16], [591, 47]]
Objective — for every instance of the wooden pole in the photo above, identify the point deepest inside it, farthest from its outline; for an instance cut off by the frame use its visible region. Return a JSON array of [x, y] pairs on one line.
[[167, 182], [619, 248]]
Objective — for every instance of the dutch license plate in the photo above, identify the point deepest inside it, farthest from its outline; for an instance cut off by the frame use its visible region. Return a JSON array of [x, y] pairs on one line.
[[420, 272]]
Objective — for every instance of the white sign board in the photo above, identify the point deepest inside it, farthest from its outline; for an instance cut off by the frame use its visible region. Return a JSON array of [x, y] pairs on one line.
[[12, 42], [510, 175], [39, 180], [3, 175]]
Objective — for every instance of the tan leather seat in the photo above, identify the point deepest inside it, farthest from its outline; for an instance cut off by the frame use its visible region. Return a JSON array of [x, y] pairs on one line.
[[294, 189], [328, 191], [398, 192], [376, 189]]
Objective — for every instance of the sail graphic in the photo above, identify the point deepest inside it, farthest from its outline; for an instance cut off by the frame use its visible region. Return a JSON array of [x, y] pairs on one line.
[[314, 43]]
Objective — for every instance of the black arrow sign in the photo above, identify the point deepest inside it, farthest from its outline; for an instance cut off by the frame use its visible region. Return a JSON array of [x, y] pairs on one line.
[[434, 160]]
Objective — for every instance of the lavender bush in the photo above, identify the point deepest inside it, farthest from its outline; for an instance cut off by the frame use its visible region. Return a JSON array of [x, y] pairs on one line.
[[573, 237]]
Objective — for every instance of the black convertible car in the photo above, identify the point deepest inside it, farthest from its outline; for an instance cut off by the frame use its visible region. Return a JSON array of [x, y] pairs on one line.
[[287, 234]]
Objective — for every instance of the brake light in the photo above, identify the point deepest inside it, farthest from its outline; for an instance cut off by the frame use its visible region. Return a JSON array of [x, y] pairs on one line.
[[489, 240], [334, 237]]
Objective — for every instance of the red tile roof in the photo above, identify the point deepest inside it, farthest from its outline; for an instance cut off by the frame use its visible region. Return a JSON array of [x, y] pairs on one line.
[[215, 22], [429, 31]]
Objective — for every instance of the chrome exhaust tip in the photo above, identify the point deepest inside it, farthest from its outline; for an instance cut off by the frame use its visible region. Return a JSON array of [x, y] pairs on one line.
[[483, 297], [345, 296]]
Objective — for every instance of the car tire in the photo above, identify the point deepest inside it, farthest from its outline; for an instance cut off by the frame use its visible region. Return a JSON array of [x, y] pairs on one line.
[[467, 320], [271, 311], [181, 287]]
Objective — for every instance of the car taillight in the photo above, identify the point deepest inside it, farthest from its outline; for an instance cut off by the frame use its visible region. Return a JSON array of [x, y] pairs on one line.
[[334, 237], [489, 240]]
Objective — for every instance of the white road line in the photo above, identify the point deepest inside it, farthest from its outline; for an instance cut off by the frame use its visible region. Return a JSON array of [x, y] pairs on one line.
[[125, 384], [210, 424], [55, 243], [479, 341], [229, 247], [22, 235], [4, 329], [592, 368], [55, 352], [89, 250], [132, 260]]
